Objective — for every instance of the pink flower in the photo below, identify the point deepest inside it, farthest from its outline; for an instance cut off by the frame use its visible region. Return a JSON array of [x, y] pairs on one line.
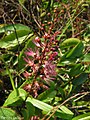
[[37, 41], [35, 56], [41, 59], [27, 74], [30, 52], [49, 69], [30, 62], [27, 87], [46, 36]]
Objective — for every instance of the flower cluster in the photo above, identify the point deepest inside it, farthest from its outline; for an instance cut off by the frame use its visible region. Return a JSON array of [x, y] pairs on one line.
[[41, 60]]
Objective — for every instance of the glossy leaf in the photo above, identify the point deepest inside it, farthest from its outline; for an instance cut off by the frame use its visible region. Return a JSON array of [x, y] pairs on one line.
[[64, 113], [76, 51], [66, 110], [16, 98], [8, 114], [39, 104], [11, 40], [46, 108], [69, 42], [13, 27]]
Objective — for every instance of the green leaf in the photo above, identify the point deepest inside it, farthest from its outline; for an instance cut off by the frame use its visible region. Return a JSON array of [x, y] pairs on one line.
[[76, 69], [86, 58], [43, 14], [66, 110], [85, 116], [64, 1], [47, 96], [13, 27], [80, 79], [39, 104], [29, 111], [76, 51], [25, 114], [21, 1], [69, 42], [46, 108], [8, 114], [11, 40], [16, 97], [64, 114], [61, 91]]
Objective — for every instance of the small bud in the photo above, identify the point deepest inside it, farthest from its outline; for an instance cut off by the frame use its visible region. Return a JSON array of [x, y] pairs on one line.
[[55, 10], [62, 11], [47, 50], [52, 39], [50, 28], [43, 25], [49, 14], [55, 20], [42, 28], [37, 39], [52, 49], [49, 23], [46, 36]]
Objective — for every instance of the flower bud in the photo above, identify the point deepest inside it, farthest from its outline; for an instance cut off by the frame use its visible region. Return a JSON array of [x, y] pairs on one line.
[[46, 36], [37, 39]]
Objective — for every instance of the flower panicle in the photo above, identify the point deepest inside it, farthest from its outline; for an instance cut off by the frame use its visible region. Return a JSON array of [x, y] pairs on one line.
[[41, 59]]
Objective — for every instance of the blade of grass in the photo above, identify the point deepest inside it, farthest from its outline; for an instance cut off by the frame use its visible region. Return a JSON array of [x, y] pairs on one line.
[[11, 79]]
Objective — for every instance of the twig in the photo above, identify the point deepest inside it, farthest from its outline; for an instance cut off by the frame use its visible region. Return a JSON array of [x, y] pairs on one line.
[[56, 107], [33, 16], [74, 107]]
